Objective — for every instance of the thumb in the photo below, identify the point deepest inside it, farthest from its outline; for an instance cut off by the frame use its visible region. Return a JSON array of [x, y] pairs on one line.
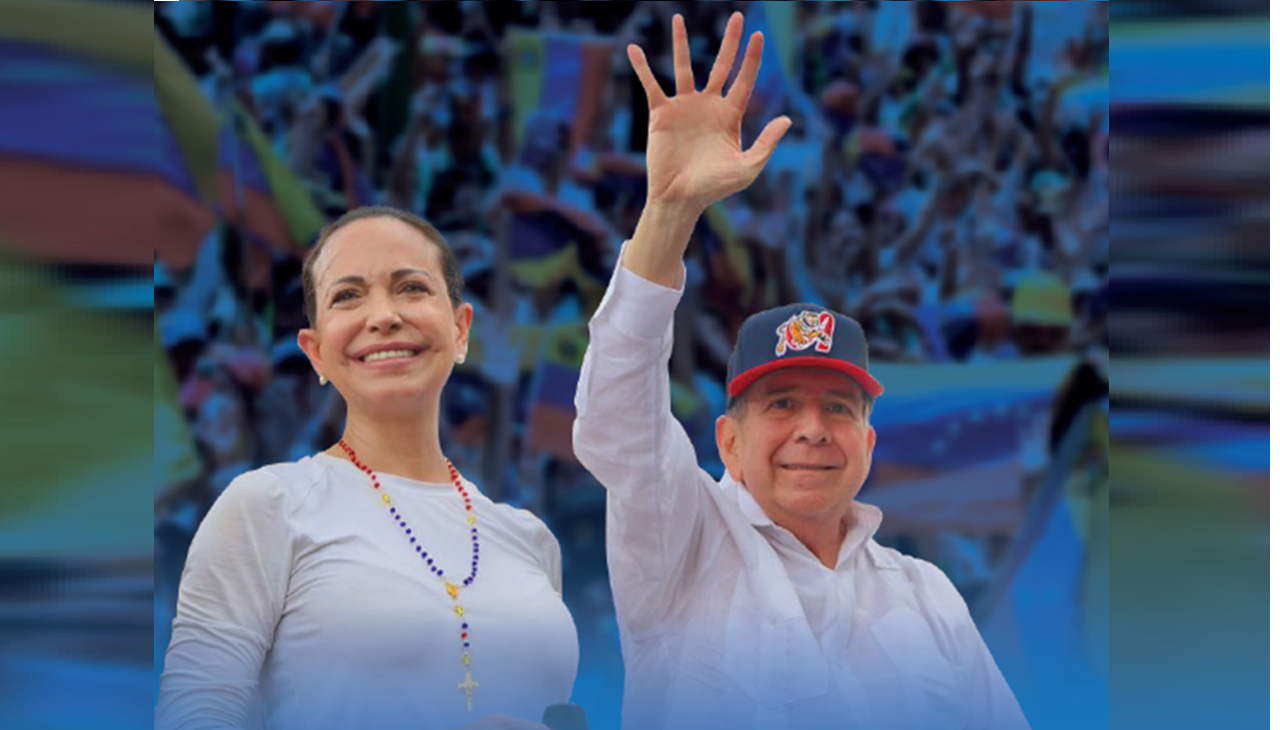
[[767, 142]]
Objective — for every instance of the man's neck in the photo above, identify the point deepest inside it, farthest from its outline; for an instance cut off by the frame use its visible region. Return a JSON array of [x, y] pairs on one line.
[[823, 538]]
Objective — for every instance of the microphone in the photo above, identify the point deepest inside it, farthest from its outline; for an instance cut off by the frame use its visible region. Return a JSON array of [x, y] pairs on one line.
[[565, 716]]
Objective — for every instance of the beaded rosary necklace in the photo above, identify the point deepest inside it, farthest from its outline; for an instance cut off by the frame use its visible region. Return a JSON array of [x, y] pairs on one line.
[[468, 685]]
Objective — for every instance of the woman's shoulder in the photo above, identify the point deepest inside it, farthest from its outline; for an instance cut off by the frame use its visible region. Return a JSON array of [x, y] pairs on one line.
[[287, 483], [520, 522], [533, 534]]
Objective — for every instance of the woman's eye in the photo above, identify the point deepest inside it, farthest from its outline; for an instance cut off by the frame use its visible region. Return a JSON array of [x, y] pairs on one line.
[[344, 295], [416, 288]]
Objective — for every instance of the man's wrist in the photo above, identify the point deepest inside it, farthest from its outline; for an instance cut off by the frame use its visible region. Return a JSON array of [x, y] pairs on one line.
[[662, 235]]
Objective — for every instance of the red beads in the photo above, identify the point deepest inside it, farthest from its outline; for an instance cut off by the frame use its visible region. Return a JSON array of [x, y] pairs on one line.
[[451, 588]]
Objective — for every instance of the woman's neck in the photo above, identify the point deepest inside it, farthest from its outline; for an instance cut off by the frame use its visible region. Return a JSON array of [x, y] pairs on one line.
[[407, 448]]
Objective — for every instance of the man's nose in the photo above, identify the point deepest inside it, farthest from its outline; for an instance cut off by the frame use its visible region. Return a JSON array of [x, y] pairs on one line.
[[812, 427]]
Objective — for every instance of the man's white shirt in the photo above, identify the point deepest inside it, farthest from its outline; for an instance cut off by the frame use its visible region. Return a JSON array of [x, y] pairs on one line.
[[725, 618]]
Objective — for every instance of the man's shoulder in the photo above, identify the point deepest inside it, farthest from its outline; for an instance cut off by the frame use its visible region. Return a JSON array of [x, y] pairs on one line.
[[920, 574]]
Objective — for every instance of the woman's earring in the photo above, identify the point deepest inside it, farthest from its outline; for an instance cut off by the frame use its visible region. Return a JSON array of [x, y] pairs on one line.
[[324, 380], [461, 357]]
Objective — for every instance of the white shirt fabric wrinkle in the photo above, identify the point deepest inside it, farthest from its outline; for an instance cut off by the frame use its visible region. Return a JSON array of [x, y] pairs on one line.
[[725, 619]]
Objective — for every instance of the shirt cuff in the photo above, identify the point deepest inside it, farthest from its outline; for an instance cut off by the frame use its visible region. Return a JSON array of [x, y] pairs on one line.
[[637, 306]]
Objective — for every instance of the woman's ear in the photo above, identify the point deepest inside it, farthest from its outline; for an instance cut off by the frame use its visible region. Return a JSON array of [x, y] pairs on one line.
[[462, 322], [309, 342]]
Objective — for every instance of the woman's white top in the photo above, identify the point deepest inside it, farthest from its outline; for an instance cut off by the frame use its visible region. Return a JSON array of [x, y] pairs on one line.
[[304, 605]]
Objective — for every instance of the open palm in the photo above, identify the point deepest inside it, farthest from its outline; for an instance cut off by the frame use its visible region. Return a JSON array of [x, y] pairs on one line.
[[694, 152]]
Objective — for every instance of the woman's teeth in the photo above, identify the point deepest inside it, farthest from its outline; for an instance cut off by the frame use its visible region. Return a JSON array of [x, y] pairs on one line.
[[387, 354]]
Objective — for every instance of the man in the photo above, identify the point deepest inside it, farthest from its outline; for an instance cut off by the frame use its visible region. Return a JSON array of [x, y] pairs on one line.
[[761, 601]]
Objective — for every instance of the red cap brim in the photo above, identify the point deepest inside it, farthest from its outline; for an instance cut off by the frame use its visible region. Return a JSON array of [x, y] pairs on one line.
[[744, 380]]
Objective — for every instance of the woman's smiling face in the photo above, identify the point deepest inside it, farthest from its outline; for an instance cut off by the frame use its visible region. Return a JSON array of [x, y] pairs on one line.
[[385, 331]]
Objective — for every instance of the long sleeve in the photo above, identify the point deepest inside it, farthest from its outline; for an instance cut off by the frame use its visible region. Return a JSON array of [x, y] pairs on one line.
[[230, 600], [626, 435]]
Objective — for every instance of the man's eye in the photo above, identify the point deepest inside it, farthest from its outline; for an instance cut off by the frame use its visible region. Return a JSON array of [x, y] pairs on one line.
[[416, 287]]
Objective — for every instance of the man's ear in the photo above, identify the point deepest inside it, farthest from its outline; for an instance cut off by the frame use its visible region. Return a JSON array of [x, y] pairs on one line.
[[729, 441]]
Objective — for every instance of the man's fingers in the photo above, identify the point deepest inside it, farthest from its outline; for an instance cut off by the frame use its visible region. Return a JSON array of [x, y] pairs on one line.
[[728, 51], [767, 142], [746, 81], [651, 88], [680, 55]]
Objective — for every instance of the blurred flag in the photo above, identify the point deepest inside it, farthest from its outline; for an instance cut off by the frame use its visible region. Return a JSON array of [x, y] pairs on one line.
[[777, 21], [256, 188], [954, 443], [1045, 614], [79, 165], [550, 428], [558, 74], [77, 387], [950, 440], [544, 248]]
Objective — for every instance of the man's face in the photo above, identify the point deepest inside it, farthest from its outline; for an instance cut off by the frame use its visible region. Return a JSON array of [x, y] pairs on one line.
[[801, 445]]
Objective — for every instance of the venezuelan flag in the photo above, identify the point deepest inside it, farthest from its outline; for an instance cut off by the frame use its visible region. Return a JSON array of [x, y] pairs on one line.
[[559, 74], [89, 166], [543, 248], [256, 187]]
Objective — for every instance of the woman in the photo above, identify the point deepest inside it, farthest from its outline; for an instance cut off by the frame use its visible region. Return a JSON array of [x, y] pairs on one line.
[[370, 585]]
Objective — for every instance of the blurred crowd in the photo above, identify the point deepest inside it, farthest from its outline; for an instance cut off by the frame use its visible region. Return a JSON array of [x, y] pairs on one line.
[[945, 182]]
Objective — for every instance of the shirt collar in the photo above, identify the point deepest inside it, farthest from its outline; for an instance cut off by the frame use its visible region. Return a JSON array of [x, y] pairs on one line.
[[865, 519]]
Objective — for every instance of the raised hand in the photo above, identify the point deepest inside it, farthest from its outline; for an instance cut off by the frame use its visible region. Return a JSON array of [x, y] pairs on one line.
[[694, 155]]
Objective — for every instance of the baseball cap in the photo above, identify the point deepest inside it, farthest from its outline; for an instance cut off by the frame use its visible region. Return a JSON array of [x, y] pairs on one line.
[[799, 335]]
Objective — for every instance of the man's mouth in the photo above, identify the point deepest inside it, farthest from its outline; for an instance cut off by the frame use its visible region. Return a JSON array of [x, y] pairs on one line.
[[808, 467]]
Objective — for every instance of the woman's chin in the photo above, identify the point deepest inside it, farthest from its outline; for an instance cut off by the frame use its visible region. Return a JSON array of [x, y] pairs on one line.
[[397, 397]]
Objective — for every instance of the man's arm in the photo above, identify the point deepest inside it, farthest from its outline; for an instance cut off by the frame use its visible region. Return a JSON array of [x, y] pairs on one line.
[[625, 433], [694, 155]]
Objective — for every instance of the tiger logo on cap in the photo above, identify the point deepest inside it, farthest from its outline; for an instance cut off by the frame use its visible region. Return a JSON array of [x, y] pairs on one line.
[[804, 330]]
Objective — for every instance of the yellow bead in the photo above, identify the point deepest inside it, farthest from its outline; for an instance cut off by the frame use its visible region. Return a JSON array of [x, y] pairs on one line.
[[471, 519], [386, 498], [458, 610], [451, 589], [466, 660]]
